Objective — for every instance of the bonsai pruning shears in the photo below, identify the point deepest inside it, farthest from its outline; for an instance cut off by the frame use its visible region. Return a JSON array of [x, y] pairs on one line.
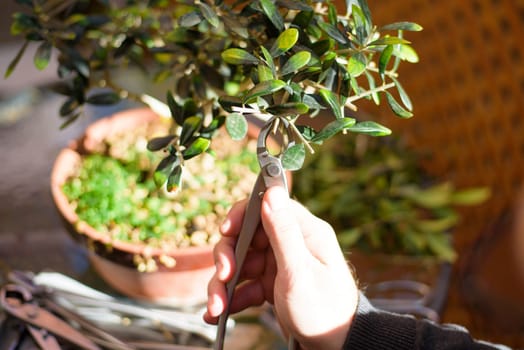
[[271, 174], [42, 325]]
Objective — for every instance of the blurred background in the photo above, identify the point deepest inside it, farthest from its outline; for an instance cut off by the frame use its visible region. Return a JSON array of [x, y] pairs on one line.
[[467, 95], [467, 92]]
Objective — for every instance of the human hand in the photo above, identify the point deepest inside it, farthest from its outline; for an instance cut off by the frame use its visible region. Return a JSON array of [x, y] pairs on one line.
[[295, 263]]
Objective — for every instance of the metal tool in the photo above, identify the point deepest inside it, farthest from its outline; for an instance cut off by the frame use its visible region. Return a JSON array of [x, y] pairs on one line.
[[112, 323], [43, 325], [271, 174]]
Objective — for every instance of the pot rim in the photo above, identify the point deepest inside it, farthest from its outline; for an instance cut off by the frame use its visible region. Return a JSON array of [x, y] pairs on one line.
[[65, 163]]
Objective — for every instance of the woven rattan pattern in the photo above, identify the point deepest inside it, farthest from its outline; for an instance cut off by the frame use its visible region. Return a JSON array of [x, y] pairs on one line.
[[467, 91]]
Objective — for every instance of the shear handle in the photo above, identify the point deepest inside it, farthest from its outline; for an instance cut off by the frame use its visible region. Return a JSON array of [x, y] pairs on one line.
[[18, 302]]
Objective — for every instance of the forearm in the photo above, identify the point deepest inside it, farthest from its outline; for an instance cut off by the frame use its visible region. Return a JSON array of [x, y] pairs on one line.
[[375, 329]]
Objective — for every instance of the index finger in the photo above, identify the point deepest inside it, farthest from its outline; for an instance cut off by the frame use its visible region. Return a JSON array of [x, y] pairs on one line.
[[224, 253], [233, 222]]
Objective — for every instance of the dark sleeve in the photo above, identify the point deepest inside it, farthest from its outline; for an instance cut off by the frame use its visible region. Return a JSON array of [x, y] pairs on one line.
[[374, 329]]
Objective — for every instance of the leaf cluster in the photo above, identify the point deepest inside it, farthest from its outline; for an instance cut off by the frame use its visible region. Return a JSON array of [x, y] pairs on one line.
[[379, 199], [227, 63]]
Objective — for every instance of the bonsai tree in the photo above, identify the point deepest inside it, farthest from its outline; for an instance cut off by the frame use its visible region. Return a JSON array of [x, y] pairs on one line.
[[225, 63]]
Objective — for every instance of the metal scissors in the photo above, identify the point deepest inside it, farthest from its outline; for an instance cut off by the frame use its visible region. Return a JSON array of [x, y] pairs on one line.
[[271, 174], [41, 324]]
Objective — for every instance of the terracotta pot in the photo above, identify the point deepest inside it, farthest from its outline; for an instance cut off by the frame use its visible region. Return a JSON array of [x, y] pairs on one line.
[[183, 284]]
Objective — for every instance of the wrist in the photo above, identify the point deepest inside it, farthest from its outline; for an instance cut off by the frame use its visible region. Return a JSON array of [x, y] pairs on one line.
[[335, 337], [333, 340]]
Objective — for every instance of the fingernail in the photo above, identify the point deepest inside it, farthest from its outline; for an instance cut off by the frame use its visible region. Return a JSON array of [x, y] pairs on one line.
[[220, 269], [224, 227], [216, 306]]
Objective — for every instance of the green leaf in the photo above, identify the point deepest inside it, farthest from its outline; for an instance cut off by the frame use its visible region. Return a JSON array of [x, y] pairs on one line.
[[430, 198], [410, 26], [303, 18], [264, 88], [388, 40], [293, 157], [396, 107], [209, 14], [190, 19], [15, 60], [264, 73], [362, 25], [81, 66], [158, 143], [216, 123], [228, 102], [375, 94], [42, 55], [296, 62], [321, 47], [189, 128], [363, 9], [332, 13], [357, 64], [441, 246], [385, 57], [200, 145], [348, 238], [406, 53], [69, 106], [333, 33], [238, 56], [412, 241], [77, 18], [174, 181], [471, 196], [369, 128], [70, 119], [403, 95], [308, 133], [176, 110], [25, 23], [22, 23], [164, 168], [332, 129], [354, 85], [267, 55], [190, 108], [311, 102], [236, 126], [103, 98], [332, 100], [285, 41], [272, 13], [438, 225], [269, 60], [289, 108]]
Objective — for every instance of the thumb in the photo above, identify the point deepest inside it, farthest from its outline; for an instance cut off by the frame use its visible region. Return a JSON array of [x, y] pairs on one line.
[[282, 228]]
